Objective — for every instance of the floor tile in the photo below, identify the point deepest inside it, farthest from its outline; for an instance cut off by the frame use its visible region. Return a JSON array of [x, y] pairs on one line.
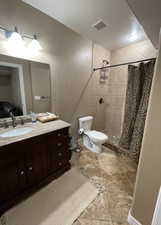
[[94, 222], [114, 176], [98, 209], [76, 223]]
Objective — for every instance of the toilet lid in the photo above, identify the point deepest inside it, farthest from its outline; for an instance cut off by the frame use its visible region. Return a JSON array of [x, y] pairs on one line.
[[97, 136]]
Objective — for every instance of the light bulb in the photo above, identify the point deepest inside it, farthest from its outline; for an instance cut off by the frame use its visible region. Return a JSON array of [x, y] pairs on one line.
[[15, 39], [35, 45], [133, 36]]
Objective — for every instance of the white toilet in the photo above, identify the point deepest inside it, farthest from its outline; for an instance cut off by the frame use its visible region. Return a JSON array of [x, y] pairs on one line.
[[92, 139]]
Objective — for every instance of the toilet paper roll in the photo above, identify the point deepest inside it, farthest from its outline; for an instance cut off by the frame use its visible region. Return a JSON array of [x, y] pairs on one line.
[[81, 131]]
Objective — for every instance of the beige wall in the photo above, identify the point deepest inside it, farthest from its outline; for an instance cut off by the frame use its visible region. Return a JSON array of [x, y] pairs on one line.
[[118, 82], [149, 178], [91, 91], [70, 58], [68, 54]]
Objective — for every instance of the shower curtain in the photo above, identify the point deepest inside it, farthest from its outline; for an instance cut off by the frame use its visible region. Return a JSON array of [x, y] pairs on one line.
[[137, 97]]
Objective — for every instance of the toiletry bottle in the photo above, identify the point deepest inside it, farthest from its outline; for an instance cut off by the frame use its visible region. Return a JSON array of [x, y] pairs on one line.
[[33, 117]]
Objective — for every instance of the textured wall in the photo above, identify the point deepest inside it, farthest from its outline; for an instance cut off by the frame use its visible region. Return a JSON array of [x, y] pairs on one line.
[[118, 82]]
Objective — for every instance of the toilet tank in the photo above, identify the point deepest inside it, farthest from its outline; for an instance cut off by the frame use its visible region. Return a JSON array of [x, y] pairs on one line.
[[85, 123]]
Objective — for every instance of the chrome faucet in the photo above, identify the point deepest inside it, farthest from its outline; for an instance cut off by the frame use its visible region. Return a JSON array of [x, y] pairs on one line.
[[13, 119], [5, 124]]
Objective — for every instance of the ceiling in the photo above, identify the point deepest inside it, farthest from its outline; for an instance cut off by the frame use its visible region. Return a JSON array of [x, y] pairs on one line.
[[149, 15], [80, 15]]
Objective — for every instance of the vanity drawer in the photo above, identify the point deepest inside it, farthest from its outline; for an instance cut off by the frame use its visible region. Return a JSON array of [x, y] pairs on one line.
[[57, 140], [60, 164], [60, 135], [61, 132], [59, 159], [60, 144], [61, 153]]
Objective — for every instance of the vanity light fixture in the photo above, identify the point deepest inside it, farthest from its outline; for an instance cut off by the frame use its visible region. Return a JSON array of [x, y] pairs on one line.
[[15, 38], [34, 44], [17, 41]]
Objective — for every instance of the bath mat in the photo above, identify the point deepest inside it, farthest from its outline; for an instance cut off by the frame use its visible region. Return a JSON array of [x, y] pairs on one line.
[[59, 203]]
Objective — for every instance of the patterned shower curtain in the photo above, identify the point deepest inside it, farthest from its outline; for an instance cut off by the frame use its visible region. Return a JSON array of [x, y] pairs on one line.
[[137, 97]]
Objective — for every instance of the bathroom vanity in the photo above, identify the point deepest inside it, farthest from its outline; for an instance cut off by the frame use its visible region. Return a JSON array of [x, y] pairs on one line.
[[30, 161]]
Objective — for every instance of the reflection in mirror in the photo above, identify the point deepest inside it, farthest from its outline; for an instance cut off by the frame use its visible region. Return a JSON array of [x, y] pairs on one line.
[[10, 92], [24, 86]]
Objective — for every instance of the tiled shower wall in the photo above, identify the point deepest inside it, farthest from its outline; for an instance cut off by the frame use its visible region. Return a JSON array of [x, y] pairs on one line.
[[118, 82], [91, 91]]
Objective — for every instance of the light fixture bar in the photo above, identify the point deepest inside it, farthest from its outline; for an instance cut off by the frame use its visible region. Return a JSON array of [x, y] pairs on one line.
[[27, 36], [16, 30], [4, 29], [15, 37]]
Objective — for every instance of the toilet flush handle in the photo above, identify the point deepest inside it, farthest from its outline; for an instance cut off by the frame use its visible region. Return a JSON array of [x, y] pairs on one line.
[[81, 131]]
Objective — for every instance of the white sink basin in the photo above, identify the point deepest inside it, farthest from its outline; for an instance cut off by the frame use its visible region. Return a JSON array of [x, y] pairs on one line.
[[16, 132]]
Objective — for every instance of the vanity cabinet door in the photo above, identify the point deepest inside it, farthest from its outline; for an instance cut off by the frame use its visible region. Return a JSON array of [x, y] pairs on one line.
[[10, 177], [36, 161], [12, 173]]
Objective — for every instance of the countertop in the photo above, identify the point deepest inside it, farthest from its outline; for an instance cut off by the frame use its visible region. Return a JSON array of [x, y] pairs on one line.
[[38, 129]]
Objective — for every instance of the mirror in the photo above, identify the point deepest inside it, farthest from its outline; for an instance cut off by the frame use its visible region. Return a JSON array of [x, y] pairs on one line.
[[24, 86]]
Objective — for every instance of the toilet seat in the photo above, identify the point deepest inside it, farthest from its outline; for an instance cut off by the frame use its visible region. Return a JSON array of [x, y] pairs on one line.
[[97, 136]]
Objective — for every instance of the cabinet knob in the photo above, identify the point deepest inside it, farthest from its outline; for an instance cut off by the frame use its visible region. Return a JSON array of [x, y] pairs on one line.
[[22, 172], [59, 144], [59, 134], [59, 154], [30, 168], [60, 163]]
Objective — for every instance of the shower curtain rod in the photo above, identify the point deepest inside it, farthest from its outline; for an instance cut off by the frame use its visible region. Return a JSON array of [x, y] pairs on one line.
[[122, 64]]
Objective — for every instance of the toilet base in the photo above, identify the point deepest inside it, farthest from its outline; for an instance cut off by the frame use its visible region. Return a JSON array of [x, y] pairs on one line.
[[92, 146]]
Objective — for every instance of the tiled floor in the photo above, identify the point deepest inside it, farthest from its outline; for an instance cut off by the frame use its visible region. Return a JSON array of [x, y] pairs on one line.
[[114, 176]]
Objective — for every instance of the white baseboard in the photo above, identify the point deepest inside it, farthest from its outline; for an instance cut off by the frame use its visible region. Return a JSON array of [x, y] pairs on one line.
[[131, 220]]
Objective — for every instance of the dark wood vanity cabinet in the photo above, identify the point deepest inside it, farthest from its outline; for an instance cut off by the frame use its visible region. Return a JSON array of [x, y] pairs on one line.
[[58, 151], [27, 165]]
